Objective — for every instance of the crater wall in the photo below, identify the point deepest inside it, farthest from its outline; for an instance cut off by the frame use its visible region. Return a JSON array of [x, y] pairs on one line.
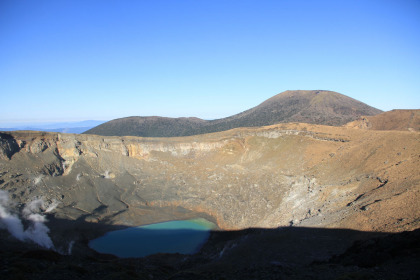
[[281, 175]]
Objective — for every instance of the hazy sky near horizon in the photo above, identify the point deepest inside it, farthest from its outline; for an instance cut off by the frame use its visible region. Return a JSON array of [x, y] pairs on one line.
[[80, 60]]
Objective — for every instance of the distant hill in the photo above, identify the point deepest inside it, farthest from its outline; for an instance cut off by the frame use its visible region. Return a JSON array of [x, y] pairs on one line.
[[62, 127], [392, 120], [305, 106]]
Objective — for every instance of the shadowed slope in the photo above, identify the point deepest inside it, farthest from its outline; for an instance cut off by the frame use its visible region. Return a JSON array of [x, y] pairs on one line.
[[255, 253], [307, 106]]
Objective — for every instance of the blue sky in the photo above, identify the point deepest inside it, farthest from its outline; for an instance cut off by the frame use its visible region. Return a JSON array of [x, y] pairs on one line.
[[80, 60]]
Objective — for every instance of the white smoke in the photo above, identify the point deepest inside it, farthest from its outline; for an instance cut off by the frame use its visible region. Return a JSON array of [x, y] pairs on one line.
[[32, 207], [8, 220], [37, 230]]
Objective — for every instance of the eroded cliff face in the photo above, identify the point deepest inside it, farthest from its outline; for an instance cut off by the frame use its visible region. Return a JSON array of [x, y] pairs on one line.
[[283, 175]]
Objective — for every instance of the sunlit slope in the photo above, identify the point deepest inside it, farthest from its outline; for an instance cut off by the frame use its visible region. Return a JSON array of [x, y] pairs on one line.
[[392, 120]]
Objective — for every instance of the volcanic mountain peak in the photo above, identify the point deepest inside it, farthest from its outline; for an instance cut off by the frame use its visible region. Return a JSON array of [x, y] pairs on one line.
[[305, 106], [314, 100]]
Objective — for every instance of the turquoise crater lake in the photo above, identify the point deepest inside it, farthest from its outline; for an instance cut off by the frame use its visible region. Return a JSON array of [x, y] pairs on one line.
[[185, 237]]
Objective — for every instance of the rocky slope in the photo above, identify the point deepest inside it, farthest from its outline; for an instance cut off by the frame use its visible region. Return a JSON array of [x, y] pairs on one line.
[[305, 106], [291, 174], [286, 198]]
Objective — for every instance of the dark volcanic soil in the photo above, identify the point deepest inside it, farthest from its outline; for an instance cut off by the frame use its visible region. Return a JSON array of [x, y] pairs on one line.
[[284, 253]]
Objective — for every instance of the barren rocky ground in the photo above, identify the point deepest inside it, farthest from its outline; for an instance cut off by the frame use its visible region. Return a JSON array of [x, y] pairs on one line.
[[286, 199]]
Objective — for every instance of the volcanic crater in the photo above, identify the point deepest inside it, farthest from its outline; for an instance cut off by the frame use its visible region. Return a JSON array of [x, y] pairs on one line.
[[283, 196]]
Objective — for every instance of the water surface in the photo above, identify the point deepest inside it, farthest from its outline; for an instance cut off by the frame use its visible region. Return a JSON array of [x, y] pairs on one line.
[[185, 237]]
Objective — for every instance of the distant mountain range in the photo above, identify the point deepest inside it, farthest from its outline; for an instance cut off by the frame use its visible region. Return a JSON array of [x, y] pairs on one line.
[[63, 127], [304, 106]]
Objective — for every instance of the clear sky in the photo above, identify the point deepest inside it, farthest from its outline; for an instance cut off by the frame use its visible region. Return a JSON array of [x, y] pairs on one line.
[[79, 60]]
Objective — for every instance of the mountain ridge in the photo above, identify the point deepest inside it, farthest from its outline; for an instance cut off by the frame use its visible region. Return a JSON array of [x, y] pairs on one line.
[[305, 106]]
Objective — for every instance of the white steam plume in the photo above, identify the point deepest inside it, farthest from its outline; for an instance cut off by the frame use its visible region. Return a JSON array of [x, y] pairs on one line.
[[10, 221], [37, 231], [32, 207]]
